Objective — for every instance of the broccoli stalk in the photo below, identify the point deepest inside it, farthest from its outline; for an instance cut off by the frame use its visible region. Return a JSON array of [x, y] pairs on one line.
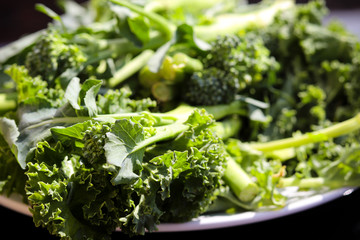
[[336, 130], [244, 188], [240, 183], [133, 66], [223, 24], [231, 23], [8, 102], [339, 172], [315, 182]]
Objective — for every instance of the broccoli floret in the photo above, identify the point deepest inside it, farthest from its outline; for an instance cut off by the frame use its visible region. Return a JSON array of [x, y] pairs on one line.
[[52, 55], [233, 65], [246, 57], [210, 87], [94, 141]]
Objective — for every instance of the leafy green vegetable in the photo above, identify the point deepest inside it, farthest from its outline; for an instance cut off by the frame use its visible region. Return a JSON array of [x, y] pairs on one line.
[[127, 115], [234, 65], [184, 175], [52, 55]]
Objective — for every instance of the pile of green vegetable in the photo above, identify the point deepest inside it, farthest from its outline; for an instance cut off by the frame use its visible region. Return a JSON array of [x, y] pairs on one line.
[[124, 115]]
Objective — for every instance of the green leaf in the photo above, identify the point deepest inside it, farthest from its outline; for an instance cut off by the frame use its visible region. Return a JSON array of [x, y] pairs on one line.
[[120, 149], [140, 27], [50, 193], [10, 132], [175, 161], [50, 13], [73, 132], [88, 95], [27, 86], [72, 92], [184, 34]]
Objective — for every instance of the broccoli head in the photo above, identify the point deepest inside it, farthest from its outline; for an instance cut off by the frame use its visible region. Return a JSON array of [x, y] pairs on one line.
[[246, 57], [94, 141], [210, 87], [53, 54], [234, 65]]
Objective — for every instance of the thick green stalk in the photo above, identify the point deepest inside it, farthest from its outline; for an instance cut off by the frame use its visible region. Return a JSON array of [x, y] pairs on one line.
[[7, 101], [234, 22], [223, 110], [227, 128], [218, 111], [239, 181], [324, 134], [130, 68], [163, 133], [301, 183]]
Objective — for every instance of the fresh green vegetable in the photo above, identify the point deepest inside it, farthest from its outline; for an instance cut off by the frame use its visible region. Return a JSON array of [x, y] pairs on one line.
[[127, 115], [156, 166], [234, 65], [52, 55], [176, 155]]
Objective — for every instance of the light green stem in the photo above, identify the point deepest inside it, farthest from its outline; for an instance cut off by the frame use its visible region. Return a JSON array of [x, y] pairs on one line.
[[324, 134], [164, 25], [240, 182], [130, 68], [301, 183], [232, 23], [7, 101], [162, 134]]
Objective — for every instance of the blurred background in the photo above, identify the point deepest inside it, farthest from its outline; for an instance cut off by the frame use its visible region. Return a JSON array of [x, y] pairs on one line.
[[20, 17]]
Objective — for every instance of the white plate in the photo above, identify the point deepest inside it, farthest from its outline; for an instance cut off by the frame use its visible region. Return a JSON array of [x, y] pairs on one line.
[[298, 201]]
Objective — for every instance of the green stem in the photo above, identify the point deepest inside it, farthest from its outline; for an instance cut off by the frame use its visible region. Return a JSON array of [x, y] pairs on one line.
[[218, 111], [69, 120], [301, 183], [165, 26], [223, 110], [227, 128], [233, 23], [130, 68], [239, 181], [324, 134], [8, 101], [163, 133]]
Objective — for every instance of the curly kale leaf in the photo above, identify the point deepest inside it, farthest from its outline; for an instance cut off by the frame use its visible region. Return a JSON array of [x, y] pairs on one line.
[[49, 194], [121, 149], [152, 188], [179, 179], [193, 189]]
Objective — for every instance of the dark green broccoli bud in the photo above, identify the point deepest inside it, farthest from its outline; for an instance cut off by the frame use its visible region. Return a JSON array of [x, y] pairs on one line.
[[94, 141], [245, 57], [234, 65], [52, 55], [210, 87]]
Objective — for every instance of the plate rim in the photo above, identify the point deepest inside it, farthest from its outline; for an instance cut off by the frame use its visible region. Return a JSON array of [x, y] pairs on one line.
[[219, 220]]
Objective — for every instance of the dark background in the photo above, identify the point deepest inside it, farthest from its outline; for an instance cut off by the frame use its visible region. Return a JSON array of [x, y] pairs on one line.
[[337, 219], [18, 17]]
